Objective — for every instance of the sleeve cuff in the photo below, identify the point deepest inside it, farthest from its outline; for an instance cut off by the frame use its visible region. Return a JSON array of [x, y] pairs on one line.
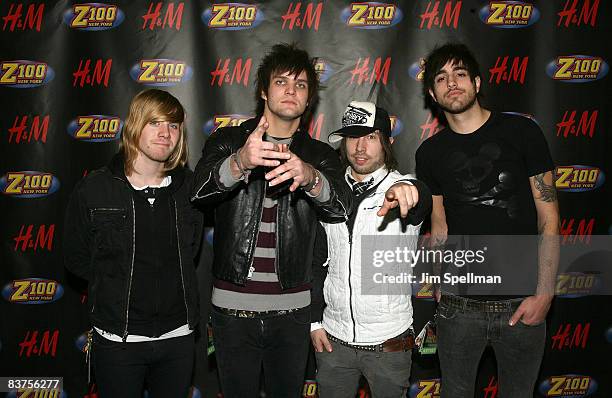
[[316, 326], [225, 174], [325, 193]]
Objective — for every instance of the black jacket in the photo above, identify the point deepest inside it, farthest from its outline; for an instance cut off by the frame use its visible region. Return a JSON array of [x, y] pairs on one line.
[[238, 208], [99, 242]]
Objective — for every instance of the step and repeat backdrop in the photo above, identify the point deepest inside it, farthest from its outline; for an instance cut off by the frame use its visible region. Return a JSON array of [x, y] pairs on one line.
[[68, 70]]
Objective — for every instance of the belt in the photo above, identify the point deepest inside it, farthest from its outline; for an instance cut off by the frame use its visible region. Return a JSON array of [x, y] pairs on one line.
[[395, 344], [464, 303], [252, 314]]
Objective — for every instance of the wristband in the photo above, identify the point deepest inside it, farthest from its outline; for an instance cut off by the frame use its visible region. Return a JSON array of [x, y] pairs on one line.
[[244, 173], [313, 183]]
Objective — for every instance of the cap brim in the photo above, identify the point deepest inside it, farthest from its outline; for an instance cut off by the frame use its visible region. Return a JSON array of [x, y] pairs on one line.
[[349, 131]]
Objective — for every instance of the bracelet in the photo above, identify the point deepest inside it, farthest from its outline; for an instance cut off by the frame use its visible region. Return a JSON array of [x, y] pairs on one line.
[[244, 173], [314, 183]]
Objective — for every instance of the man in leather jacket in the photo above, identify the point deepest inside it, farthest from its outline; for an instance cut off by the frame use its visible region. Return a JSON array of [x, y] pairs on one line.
[[270, 183], [132, 233]]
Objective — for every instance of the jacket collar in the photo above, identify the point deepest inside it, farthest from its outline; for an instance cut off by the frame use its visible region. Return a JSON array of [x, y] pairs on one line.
[[116, 168]]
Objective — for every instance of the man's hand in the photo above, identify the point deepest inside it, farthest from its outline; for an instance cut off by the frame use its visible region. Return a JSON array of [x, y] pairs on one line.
[[302, 173], [406, 196], [320, 340], [532, 310], [257, 152]]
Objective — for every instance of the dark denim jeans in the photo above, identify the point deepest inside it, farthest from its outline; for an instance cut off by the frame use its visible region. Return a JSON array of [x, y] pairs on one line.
[[278, 343], [463, 336], [124, 370], [338, 372]]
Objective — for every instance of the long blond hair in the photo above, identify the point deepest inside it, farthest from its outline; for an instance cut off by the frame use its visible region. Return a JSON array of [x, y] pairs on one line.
[[153, 105]]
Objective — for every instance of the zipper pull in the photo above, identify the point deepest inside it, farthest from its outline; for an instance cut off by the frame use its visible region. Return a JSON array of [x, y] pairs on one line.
[[251, 270]]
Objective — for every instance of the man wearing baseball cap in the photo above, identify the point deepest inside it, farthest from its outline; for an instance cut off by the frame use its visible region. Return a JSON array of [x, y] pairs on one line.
[[366, 326]]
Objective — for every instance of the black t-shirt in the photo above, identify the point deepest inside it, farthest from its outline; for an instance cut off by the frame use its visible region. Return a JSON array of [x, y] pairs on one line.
[[484, 180], [484, 176]]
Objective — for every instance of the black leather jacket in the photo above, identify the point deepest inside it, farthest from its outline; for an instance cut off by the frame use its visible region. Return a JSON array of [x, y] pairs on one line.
[[238, 208], [99, 242]]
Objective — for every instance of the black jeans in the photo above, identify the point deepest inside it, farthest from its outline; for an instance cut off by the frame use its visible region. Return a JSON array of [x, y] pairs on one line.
[[278, 343], [164, 368], [463, 335]]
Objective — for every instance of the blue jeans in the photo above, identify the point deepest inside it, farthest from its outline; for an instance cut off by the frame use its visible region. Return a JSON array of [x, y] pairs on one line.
[[463, 335], [279, 344]]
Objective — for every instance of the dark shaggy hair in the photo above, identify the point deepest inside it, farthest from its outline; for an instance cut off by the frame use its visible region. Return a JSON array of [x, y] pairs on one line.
[[288, 58], [457, 53]]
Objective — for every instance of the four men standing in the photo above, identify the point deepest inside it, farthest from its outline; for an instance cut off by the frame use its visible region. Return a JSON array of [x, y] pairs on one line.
[[130, 230]]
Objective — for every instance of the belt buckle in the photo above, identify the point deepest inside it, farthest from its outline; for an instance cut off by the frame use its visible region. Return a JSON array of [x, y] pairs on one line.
[[244, 314]]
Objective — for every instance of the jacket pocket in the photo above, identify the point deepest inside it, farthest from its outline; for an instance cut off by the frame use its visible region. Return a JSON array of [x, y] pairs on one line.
[[104, 218], [110, 236]]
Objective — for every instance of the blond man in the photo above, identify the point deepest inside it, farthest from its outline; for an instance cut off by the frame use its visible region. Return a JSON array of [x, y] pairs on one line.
[[131, 232]]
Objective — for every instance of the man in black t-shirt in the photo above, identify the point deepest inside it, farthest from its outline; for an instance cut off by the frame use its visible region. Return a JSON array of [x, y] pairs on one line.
[[490, 174]]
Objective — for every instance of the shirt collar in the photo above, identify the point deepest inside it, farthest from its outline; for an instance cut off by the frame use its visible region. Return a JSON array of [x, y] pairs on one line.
[[376, 176]]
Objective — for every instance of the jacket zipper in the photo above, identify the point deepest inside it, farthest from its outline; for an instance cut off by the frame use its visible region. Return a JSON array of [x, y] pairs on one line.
[[256, 237], [350, 286], [276, 240], [178, 241], [129, 292]]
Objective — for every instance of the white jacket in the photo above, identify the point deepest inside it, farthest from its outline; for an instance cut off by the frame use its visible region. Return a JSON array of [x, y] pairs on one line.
[[350, 315]]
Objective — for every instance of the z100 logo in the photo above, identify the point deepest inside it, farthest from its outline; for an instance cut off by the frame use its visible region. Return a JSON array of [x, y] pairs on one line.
[[93, 16], [577, 68], [568, 386], [577, 284], [25, 74], [429, 388], [161, 72], [323, 69], [578, 178], [32, 291], [232, 16], [310, 389], [220, 121], [509, 14], [396, 125], [95, 128], [417, 70], [371, 15], [423, 291], [29, 184]]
